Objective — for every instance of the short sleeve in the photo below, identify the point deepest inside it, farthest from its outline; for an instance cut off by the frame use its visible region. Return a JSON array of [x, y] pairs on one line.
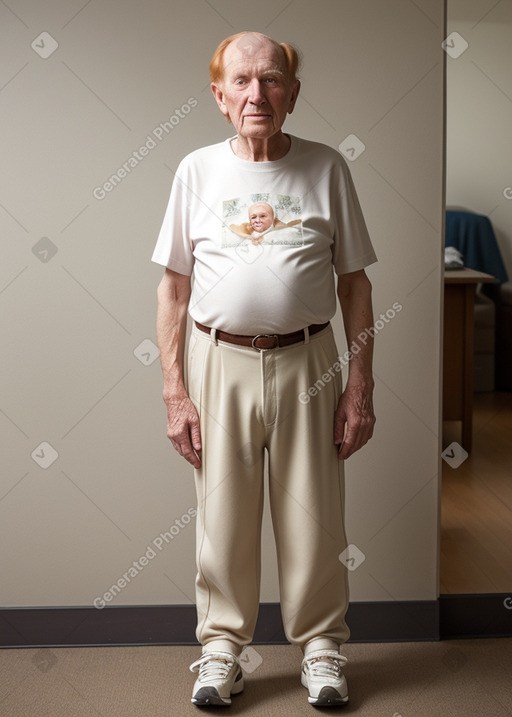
[[173, 247], [352, 249]]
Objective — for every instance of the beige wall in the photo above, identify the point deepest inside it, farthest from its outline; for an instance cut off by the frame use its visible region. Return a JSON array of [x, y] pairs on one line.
[[74, 312], [479, 115]]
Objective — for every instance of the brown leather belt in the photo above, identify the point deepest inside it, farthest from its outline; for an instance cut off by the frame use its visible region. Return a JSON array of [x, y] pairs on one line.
[[263, 342]]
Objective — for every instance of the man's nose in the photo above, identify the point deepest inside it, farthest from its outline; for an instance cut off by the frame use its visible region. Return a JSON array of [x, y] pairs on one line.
[[256, 95]]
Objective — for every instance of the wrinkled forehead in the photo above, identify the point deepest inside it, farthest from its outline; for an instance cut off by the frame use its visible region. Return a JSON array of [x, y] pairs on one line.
[[253, 50]]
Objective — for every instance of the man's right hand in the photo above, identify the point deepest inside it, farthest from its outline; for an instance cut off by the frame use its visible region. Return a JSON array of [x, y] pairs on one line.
[[183, 428]]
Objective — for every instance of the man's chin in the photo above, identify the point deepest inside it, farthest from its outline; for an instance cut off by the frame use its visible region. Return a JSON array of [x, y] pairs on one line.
[[258, 129]]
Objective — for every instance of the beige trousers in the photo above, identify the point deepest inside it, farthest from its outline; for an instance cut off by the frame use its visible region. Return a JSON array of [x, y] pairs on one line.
[[248, 401]]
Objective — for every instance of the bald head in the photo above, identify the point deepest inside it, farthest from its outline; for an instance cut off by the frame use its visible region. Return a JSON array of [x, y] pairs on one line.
[[261, 216], [246, 45]]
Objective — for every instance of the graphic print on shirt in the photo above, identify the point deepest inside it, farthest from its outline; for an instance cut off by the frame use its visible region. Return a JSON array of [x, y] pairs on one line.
[[260, 219]]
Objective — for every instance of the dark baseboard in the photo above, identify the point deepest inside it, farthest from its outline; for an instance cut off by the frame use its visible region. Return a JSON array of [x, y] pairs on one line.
[[452, 616], [482, 615]]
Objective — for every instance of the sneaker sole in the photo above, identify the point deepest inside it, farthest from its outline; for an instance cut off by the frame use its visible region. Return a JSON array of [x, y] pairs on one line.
[[209, 696], [328, 697]]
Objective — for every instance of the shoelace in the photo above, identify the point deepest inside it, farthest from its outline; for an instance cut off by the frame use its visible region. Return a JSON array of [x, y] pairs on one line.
[[322, 668], [213, 666]]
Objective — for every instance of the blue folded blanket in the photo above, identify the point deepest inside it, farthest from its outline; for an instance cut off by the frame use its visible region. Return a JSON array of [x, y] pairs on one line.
[[473, 236]]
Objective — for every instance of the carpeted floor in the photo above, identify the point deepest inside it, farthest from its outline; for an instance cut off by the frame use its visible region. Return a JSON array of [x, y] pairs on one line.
[[448, 679]]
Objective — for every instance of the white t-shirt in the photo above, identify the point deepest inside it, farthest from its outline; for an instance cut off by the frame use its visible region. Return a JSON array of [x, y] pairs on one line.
[[283, 280]]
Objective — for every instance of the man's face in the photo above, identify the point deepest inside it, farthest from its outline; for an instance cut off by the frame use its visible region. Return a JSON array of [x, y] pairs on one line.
[[255, 92], [261, 217]]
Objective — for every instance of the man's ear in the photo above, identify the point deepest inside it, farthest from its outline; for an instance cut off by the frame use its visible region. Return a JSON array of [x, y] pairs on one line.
[[219, 99], [295, 94]]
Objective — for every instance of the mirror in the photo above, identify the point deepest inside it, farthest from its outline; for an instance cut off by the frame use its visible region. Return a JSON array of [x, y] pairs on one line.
[[476, 534]]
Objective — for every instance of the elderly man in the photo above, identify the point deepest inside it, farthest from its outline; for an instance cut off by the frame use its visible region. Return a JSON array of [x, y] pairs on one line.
[[260, 337]]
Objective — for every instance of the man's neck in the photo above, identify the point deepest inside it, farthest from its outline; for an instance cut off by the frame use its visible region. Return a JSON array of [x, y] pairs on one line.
[[261, 150]]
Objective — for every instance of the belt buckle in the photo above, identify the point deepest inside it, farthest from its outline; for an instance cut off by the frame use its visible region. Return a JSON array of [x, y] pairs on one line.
[[265, 336]]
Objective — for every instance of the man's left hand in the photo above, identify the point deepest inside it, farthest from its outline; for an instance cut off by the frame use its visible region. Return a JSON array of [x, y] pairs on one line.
[[354, 420]]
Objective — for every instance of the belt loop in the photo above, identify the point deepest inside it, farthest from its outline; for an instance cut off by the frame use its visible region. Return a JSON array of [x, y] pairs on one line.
[[306, 335], [213, 336]]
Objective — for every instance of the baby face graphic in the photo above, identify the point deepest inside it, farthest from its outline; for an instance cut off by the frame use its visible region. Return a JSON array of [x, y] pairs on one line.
[[261, 216]]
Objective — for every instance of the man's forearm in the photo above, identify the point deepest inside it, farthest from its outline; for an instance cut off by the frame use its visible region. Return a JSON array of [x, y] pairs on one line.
[[355, 295], [171, 324], [354, 419]]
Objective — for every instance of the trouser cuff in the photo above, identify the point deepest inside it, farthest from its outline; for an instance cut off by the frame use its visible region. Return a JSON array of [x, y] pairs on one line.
[[320, 643], [224, 646]]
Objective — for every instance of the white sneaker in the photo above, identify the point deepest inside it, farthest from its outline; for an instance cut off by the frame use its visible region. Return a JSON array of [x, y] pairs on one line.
[[220, 676], [324, 678]]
